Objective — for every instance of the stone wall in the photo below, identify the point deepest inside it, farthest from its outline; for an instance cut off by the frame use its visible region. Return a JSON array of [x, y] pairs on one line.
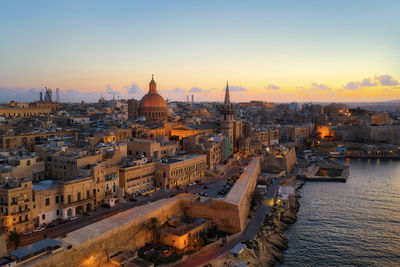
[[272, 163], [123, 231], [230, 213], [369, 134]]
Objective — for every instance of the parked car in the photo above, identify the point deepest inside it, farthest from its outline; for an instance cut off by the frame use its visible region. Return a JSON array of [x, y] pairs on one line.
[[61, 221], [73, 218], [106, 205], [38, 229], [206, 187], [27, 233], [51, 225]]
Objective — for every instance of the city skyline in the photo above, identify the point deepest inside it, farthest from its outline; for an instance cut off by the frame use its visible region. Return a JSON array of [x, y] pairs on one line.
[[282, 52]]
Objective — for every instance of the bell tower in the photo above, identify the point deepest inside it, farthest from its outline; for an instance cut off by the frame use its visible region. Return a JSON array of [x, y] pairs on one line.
[[227, 120]]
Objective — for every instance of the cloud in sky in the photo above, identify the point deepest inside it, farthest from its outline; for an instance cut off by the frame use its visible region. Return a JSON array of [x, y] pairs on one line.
[[319, 87], [133, 88], [272, 87], [110, 90], [352, 86], [387, 80], [367, 82], [235, 88], [177, 90], [196, 90]]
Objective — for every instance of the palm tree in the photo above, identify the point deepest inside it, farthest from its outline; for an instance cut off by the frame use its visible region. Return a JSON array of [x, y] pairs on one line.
[[153, 225], [15, 238]]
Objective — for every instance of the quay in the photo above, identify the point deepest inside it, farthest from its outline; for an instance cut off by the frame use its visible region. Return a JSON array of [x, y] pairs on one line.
[[326, 173]]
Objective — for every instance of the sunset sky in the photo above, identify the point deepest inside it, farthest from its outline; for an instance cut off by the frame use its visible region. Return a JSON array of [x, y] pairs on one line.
[[343, 50]]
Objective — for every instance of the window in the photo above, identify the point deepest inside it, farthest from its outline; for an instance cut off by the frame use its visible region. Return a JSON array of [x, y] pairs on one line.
[[58, 212], [28, 162], [47, 201], [79, 196], [69, 198], [43, 216], [88, 194], [57, 199]]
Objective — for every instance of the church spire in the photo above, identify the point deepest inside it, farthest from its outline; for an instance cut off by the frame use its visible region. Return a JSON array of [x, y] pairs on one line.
[[227, 102]]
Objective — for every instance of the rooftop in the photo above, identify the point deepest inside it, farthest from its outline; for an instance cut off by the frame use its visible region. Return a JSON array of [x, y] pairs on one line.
[[44, 185], [32, 248], [176, 159], [183, 228], [236, 193]]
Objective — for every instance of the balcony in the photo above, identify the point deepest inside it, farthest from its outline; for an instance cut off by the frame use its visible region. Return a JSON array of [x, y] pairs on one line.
[[19, 222], [20, 212], [78, 202]]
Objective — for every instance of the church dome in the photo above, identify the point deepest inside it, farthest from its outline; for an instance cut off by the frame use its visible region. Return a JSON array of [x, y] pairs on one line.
[[152, 100], [153, 106]]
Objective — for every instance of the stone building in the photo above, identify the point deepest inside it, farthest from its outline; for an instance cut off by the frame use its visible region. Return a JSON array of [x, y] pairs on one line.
[[278, 159], [204, 145], [137, 178], [78, 196], [16, 112], [16, 205], [21, 166], [151, 148], [47, 202], [180, 171], [133, 108], [29, 140]]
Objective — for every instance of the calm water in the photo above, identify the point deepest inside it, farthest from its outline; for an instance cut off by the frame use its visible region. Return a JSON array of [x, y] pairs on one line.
[[349, 224]]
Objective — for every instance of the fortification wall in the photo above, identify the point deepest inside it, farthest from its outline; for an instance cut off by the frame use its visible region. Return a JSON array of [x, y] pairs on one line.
[[123, 231]]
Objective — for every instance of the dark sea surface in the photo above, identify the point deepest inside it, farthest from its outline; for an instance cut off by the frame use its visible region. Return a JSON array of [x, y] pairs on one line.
[[356, 223]]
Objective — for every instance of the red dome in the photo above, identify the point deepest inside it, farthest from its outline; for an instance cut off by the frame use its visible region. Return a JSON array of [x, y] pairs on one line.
[[152, 100]]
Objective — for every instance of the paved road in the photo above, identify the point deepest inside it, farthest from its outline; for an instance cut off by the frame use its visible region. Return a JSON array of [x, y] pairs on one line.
[[214, 184], [249, 233]]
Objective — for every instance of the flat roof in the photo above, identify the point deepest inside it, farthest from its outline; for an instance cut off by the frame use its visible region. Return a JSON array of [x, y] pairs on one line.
[[45, 184], [32, 248], [183, 228], [236, 193]]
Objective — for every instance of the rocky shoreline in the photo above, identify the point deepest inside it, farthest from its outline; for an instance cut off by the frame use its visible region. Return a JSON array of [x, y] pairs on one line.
[[271, 240], [268, 247]]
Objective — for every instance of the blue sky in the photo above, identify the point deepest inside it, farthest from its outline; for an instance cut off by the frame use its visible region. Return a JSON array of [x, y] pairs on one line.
[[89, 46]]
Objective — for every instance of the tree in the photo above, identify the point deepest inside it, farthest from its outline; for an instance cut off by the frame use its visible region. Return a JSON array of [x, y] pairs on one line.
[[153, 225], [256, 198], [15, 238]]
